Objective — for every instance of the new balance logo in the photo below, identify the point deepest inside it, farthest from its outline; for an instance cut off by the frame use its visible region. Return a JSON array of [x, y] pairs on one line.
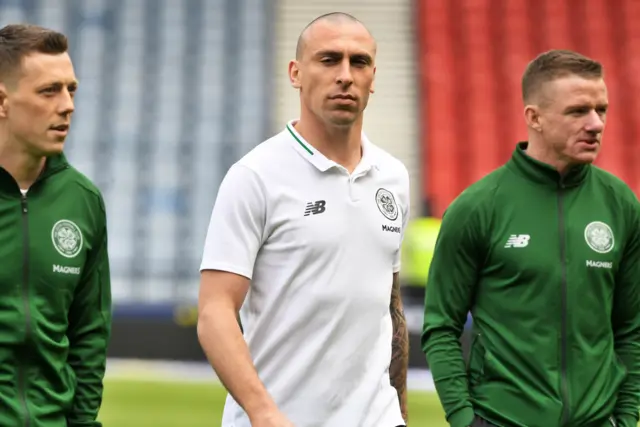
[[315, 208], [517, 241]]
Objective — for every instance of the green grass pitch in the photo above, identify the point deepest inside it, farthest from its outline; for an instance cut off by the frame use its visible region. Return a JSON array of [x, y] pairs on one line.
[[140, 403]]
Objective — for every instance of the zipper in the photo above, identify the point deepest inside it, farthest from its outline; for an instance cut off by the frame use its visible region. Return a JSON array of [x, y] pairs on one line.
[[563, 329], [22, 380], [613, 422], [27, 309]]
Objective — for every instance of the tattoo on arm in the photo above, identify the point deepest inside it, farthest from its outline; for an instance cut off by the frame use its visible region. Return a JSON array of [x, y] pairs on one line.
[[399, 346]]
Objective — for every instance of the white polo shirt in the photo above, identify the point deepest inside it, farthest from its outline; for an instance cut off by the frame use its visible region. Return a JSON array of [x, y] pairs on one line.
[[320, 247]]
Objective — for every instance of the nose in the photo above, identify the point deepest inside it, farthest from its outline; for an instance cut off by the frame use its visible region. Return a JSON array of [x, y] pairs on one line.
[[66, 105], [344, 77], [595, 122]]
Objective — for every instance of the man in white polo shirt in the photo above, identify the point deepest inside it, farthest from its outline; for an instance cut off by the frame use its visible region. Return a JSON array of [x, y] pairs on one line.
[[304, 243]]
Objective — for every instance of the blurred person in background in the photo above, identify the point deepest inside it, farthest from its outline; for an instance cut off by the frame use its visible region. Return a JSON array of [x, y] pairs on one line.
[[55, 301], [304, 243], [545, 253]]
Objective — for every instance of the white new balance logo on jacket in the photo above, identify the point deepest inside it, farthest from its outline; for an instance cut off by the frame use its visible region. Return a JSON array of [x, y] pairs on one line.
[[517, 241]]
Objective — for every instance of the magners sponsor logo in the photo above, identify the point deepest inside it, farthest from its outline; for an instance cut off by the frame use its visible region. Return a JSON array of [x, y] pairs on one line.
[[391, 229], [65, 270], [599, 264]]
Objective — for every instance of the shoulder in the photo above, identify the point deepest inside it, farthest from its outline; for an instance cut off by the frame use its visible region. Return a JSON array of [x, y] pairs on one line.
[[391, 165], [268, 154], [617, 190], [78, 200], [260, 166], [83, 186], [618, 194], [263, 163], [479, 197], [393, 174], [617, 186]]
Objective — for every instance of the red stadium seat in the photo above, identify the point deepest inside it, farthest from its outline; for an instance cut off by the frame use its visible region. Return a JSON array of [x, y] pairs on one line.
[[472, 54]]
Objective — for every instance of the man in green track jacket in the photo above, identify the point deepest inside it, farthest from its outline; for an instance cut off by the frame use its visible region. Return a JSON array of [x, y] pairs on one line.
[[55, 300], [545, 253]]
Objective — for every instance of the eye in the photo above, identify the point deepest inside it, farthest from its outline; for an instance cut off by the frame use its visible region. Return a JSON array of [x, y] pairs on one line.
[[579, 111], [328, 60]]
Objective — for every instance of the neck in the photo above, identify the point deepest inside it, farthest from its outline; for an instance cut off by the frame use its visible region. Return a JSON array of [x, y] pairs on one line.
[[541, 152], [342, 144], [19, 163]]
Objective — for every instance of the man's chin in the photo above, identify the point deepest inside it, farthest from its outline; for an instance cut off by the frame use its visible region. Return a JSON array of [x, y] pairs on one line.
[[52, 149], [586, 157], [342, 118]]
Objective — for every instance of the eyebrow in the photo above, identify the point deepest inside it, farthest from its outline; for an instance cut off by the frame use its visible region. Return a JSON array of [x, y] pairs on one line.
[[58, 84], [588, 105]]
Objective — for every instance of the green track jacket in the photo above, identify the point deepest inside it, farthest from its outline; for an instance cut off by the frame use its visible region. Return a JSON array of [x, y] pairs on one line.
[[550, 270], [55, 299]]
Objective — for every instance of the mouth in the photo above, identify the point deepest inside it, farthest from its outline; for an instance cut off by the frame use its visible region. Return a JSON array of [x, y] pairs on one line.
[[344, 97], [589, 144], [589, 141], [60, 128]]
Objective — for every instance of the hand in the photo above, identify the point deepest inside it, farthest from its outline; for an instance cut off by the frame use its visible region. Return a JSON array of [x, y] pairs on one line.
[[273, 418]]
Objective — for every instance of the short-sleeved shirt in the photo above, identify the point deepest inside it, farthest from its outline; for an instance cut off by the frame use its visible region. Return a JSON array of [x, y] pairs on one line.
[[320, 246]]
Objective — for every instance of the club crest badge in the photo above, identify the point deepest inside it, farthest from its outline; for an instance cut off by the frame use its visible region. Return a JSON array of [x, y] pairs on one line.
[[599, 237], [67, 238], [387, 204]]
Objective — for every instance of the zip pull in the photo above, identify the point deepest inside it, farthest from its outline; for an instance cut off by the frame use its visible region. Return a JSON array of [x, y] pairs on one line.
[[561, 181], [24, 203]]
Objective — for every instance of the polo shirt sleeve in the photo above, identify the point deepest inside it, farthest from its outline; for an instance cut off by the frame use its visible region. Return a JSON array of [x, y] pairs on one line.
[[405, 210], [237, 222]]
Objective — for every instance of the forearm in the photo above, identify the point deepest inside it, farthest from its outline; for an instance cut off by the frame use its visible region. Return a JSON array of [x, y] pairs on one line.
[[626, 412], [399, 346], [87, 358], [400, 360], [89, 333], [222, 341], [444, 356]]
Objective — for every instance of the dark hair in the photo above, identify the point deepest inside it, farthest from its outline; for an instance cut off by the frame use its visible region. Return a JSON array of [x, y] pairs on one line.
[[555, 64], [20, 40]]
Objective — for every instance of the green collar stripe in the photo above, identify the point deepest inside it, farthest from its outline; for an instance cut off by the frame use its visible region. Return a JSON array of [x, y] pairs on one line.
[[299, 142]]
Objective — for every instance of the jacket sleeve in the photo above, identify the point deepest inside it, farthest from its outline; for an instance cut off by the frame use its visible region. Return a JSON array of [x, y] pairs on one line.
[[626, 325], [449, 293], [89, 332]]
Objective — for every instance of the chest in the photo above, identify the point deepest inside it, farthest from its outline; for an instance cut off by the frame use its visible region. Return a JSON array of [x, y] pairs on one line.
[[571, 236], [50, 238], [362, 213]]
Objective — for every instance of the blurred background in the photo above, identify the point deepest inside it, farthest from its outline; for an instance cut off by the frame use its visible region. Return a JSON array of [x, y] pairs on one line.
[[172, 92]]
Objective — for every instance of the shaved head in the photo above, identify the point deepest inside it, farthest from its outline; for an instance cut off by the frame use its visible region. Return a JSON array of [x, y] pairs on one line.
[[333, 17], [334, 69]]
